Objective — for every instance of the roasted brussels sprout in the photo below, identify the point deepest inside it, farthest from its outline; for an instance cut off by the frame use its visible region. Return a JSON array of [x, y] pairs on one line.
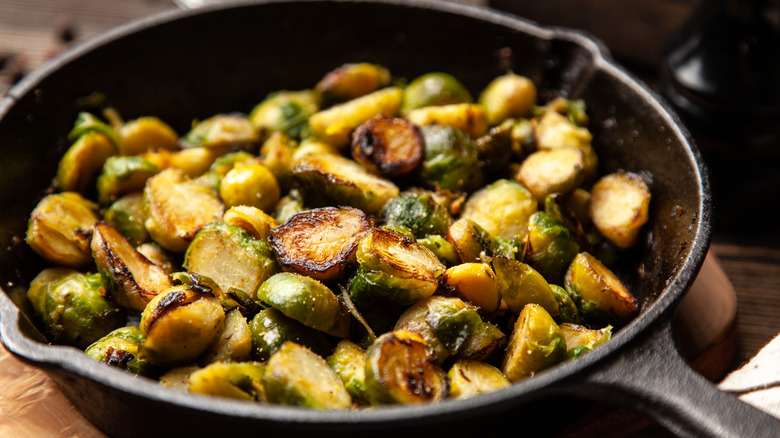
[[60, 229], [335, 124], [82, 162], [451, 161], [222, 165], [600, 295], [476, 283], [348, 360], [402, 368], [435, 88], [72, 306], [553, 130], [494, 148], [234, 131], [508, 96], [468, 118], [419, 212], [276, 154], [87, 123], [297, 376], [180, 324], [536, 343], [520, 285], [176, 207], [250, 184], [270, 329], [320, 243], [469, 378], [306, 300], [122, 175], [120, 349], [547, 171], [238, 380], [288, 205], [568, 312], [389, 146], [286, 112], [254, 221], [550, 246], [130, 277], [502, 208], [145, 134], [159, 256], [126, 214], [194, 162], [619, 206], [352, 80], [230, 256], [483, 344], [329, 179], [441, 247], [474, 245], [234, 343], [393, 268], [580, 339]]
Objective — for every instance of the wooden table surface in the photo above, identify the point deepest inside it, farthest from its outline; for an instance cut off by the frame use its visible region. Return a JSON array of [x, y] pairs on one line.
[[33, 30]]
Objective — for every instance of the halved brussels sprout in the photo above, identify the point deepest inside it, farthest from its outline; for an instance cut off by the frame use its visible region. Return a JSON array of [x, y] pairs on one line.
[[306, 300], [476, 283], [87, 123], [122, 175], [402, 368], [159, 256], [502, 208], [469, 118], [554, 130], [619, 206], [550, 246], [250, 184], [60, 229], [335, 124], [509, 95], [520, 285], [419, 212], [176, 207], [82, 162], [320, 243], [147, 133], [600, 295], [288, 205], [230, 256], [286, 112], [348, 360], [536, 343], [180, 324], [389, 146], [72, 306], [194, 162], [234, 343], [494, 148], [297, 376], [451, 161], [178, 378], [222, 165], [566, 305], [435, 88], [126, 214], [393, 268], [580, 339], [441, 247], [238, 380], [254, 221], [471, 242], [120, 349], [469, 378], [234, 131], [352, 80], [131, 278], [276, 154], [547, 171], [270, 329], [328, 179], [574, 110], [483, 343]]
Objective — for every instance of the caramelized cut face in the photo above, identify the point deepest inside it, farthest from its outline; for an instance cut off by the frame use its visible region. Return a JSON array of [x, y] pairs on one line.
[[389, 146], [320, 243]]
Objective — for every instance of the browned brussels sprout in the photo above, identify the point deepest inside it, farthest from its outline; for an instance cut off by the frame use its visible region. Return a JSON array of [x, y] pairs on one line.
[[237, 380], [120, 349], [348, 360], [468, 118], [402, 368], [475, 245], [122, 175], [469, 378], [145, 134], [547, 171], [82, 162], [305, 300], [619, 206], [231, 257], [388, 146], [550, 246], [520, 285], [566, 305], [297, 376], [234, 342], [285, 112], [320, 243], [495, 147], [394, 268], [580, 339], [131, 278], [72, 306], [276, 154], [509, 95], [254, 221], [250, 183], [475, 283], [60, 229], [419, 212], [501, 208], [554, 130], [233, 131], [536, 343], [435, 88], [600, 295], [451, 160], [350, 81], [270, 329], [126, 214], [180, 324]]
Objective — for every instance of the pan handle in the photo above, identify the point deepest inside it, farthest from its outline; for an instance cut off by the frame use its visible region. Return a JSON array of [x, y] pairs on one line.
[[651, 376]]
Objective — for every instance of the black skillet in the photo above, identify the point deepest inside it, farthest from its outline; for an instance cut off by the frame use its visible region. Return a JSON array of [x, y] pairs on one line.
[[184, 65]]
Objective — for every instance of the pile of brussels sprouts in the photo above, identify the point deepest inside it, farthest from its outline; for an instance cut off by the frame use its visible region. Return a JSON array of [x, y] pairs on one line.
[[364, 242]]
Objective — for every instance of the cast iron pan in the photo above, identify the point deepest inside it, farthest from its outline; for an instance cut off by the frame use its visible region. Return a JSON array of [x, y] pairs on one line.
[[181, 65]]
